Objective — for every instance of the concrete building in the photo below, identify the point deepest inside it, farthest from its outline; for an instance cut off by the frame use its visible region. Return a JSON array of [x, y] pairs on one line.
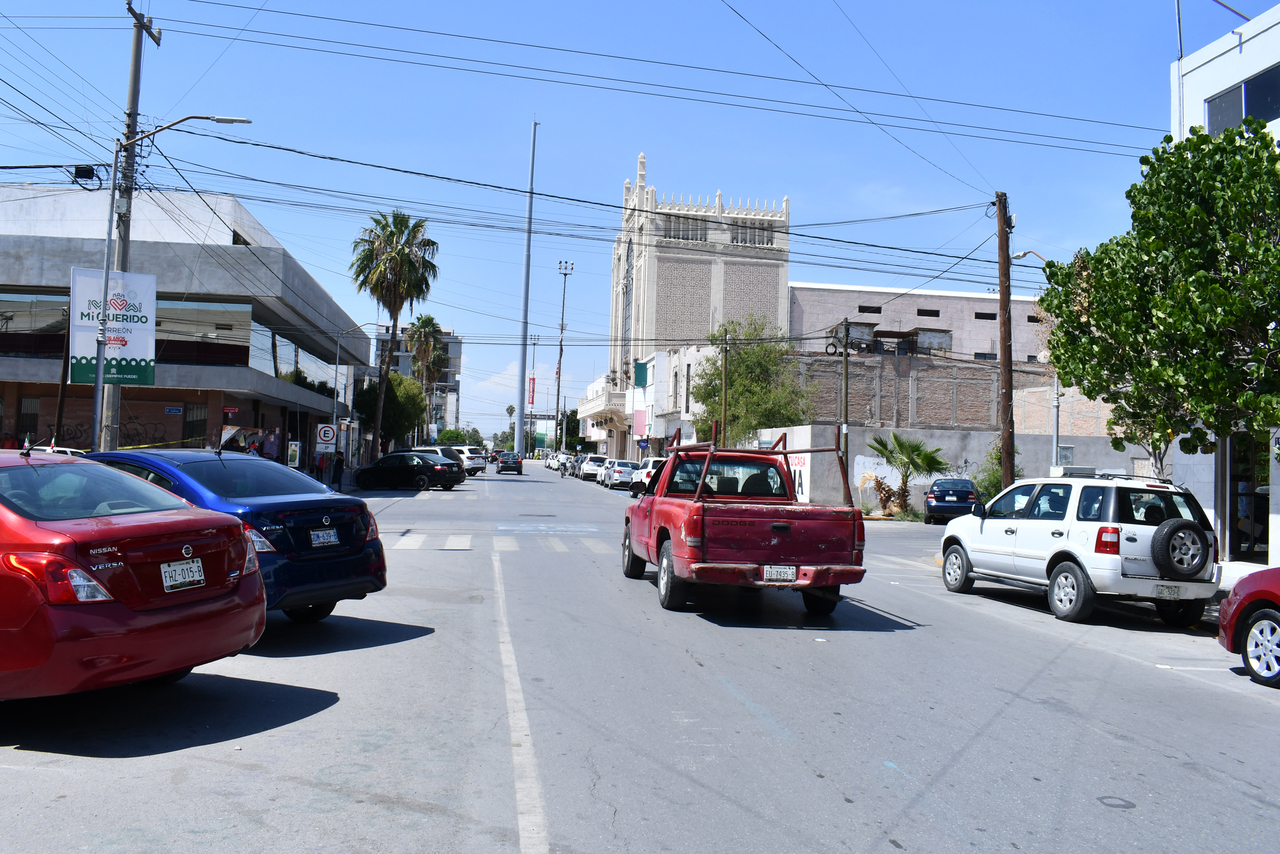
[[681, 267], [1237, 75], [444, 398], [231, 301]]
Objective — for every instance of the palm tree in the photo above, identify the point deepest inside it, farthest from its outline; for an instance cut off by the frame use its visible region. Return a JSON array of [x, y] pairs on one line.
[[425, 337], [908, 457], [395, 262]]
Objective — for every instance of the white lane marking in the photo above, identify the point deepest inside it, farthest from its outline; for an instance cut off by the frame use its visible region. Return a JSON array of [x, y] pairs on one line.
[[446, 497], [409, 541], [423, 495], [555, 544], [473, 497], [457, 543], [600, 547], [531, 818], [506, 544]]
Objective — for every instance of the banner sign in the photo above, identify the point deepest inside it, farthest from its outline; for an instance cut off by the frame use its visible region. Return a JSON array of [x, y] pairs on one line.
[[532, 380], [131, 327]]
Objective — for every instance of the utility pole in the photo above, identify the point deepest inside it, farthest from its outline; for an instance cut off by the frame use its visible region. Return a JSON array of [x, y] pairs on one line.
[[844, 419], [724, 391], [1006, 343], [566, 270], [524, 309], [110, 437]]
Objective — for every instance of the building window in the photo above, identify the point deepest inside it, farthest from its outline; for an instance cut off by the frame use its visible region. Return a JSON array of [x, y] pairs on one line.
[[751, 234], [1033, 359], [985, 357], [626, 304], [1259, 96], [868, 309], [1033, 318], [1226, 110], [676, 227], [194, 419], [928, 312], [28, 425], [688, 378], [984, 315]]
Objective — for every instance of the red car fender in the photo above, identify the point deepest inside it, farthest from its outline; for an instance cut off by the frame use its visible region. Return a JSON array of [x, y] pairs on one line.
[[26, 635]]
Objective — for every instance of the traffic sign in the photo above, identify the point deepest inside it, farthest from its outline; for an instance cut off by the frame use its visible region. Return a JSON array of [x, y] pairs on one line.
[[326, 436]]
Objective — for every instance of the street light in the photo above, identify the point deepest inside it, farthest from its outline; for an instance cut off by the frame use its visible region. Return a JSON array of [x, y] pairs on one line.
[[566, 270], [106, 264], [1021, 255]]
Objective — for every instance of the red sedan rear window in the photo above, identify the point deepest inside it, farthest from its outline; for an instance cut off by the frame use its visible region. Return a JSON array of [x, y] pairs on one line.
[[48, 493]]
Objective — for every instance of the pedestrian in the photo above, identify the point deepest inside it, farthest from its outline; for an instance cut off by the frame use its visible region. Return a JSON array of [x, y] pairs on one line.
[[339, 463], [9, 443], [320, 467]]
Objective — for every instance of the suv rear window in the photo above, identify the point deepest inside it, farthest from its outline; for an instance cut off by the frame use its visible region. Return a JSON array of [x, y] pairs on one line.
[[1153, 506]]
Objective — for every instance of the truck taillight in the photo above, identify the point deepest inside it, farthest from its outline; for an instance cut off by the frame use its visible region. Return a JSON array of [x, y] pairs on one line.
[[1108, 542], [859, 534], [691, 530], [60, 580]]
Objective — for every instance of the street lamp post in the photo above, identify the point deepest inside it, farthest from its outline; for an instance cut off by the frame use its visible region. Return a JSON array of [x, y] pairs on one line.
[[566, 270], [106, 265]]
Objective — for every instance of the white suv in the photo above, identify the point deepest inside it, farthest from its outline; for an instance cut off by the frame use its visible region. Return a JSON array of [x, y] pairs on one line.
[[1083, 534]]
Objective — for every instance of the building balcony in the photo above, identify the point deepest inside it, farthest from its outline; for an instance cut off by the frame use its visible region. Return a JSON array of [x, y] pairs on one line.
[[604, 405]]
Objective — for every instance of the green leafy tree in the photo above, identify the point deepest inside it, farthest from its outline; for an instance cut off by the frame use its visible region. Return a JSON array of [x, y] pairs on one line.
[[990, 475], [403, 407], [395, 263], [1174, 322], [764, 389], [452, 437], [474, 436], [909, 458]]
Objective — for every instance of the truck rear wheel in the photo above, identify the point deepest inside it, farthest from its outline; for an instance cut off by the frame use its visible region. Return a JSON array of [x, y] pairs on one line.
[[821, 601], [632, 566], [673, 591]]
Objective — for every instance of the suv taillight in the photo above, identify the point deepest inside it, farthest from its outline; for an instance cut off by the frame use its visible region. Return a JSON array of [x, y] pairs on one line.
[[373, 530], [61, 581], [1108, 542]]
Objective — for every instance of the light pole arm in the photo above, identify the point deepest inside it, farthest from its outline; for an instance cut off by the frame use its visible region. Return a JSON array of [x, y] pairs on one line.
[[222, 120]]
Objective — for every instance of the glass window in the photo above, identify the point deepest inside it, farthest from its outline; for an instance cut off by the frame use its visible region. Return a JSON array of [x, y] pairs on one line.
[[1225, 111], [1012, 504], [1051, 502], [955, 484], [238, 477], [730, 478], [1090, 507], [28, 423], [1152, 506], [195, 418], [46, 493], [1262, 95], [138, 471]]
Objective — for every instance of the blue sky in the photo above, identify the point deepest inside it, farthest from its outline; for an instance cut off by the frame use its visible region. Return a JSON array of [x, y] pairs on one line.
[[761, 138]]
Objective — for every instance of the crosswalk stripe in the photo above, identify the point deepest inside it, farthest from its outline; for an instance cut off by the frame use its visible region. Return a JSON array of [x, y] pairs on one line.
[[446, 497], [505, 544], [473, 497], [600, 547], [423, 495], [555, 544], [409, 541], [458, 543]]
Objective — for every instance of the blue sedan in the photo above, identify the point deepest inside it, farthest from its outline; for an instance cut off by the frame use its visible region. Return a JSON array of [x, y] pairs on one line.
[[315, 546]]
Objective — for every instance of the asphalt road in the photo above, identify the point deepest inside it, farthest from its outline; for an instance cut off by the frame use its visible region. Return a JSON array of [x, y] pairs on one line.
[[512, 691]]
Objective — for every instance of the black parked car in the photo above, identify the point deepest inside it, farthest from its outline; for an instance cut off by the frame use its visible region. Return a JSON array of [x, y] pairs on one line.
[[948, 498], [411, 470], [510, 462]]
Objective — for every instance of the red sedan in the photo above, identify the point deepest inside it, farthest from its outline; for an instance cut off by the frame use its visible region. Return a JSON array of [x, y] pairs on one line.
[[1249, 623], [106, 579]]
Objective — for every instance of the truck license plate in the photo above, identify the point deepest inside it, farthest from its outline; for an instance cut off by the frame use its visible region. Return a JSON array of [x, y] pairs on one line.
[[182, 574], [324, 537], [779, 573], [1167, 591]]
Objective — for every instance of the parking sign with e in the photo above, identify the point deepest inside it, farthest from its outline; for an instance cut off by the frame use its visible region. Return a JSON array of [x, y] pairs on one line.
[[326, 436]]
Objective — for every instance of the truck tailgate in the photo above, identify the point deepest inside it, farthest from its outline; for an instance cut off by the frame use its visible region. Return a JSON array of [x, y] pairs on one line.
[[772, 533]]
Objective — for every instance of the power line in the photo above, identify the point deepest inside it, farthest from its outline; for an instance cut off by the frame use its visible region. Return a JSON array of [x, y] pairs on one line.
[[667, 64]]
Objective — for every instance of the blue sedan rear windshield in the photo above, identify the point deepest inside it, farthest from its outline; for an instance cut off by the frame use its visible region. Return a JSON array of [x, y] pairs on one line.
[[47, 493], [233, 477]]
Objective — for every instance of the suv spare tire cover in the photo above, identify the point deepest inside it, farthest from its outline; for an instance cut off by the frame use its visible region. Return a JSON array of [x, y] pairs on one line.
[[1174, 545]]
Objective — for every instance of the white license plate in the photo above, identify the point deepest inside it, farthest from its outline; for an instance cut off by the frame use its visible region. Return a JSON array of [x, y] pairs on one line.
[[952, 498], [324, 537], [779, 573], [1167, 591], [182, 574]]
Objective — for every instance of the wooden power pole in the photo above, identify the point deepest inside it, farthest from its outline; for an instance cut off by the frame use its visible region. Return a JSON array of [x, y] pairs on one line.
[[1006, 343]]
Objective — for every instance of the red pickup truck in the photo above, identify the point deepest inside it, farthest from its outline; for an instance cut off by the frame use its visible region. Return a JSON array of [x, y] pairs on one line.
[[731, 517]]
